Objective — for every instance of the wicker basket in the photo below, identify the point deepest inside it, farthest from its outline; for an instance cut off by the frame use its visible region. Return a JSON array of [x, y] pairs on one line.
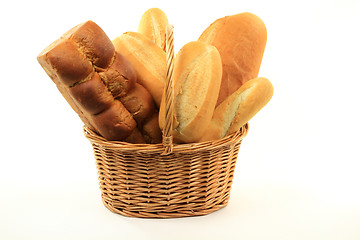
[[166, 180]]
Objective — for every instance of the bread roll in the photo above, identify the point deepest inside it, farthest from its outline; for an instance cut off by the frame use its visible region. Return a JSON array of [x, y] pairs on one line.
[[239, 108], [147, 59], [240, 40], [197, 77], [152, 25]]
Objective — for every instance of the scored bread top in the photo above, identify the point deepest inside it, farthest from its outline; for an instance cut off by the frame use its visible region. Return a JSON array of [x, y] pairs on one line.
[[153, 25], [197, 76], [239, 108]]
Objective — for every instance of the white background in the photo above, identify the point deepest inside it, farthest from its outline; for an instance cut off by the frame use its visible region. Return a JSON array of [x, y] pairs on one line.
[[297, 175]]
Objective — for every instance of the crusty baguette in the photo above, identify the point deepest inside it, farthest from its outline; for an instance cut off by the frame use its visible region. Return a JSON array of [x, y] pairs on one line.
[[197, 77], [148, 60], [239, 108], [153, 24], [241, 41]]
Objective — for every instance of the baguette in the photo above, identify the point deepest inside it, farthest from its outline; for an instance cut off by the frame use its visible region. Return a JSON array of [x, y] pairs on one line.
[[147, 59], [240, 40], [197, 76], [152, 25], [239, 108]]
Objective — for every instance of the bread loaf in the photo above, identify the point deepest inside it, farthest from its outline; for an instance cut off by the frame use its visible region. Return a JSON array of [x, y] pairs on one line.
[[197, 76], [152, 25], [92, 95], [240, 40], [151, 130], [147, 59], [239, 108], [120, 77], [93, 42], [95, 80]]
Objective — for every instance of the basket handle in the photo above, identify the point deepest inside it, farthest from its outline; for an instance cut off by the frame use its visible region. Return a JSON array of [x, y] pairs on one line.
[[167, 140]]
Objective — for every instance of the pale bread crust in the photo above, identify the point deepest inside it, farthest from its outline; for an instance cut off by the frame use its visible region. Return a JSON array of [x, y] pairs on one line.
[[147, 59], [197, 76], [241, 41], [153, 26], [249, 99]]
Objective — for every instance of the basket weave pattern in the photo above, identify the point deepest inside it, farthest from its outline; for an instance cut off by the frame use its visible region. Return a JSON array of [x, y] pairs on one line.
[[139, 181], [166, 180]]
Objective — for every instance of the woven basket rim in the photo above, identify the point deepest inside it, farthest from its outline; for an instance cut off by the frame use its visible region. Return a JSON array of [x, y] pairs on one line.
[[95, 138]]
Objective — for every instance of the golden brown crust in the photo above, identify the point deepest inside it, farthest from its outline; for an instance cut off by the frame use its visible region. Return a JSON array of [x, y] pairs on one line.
[[92, 95], [241, 41], [135, 137], [115, 123], [93, 42], [100, 85], [120, 77], [69, 63], [139, 103], [63, 58], [151, 130]]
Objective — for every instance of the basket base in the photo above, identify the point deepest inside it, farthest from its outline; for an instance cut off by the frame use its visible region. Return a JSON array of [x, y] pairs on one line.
[[178, 214]]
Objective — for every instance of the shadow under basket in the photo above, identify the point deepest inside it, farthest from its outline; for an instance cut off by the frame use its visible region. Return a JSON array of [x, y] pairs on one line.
[[138, 180]]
